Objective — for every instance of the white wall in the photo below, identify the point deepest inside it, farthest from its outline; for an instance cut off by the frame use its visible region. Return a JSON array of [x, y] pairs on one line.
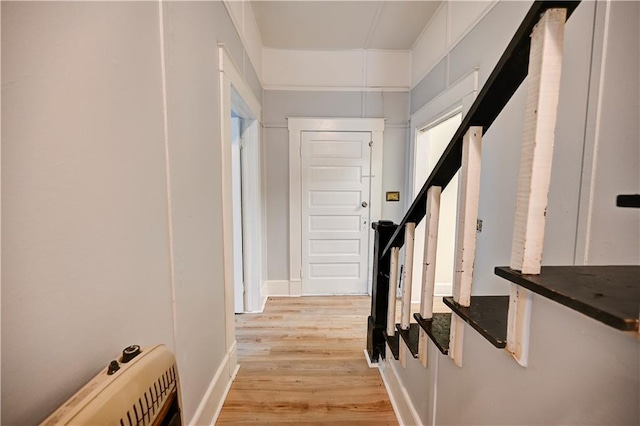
[[608, 234], [358, 69], [244, 20], [580, 371], [194, 163], [94, 257], [451, 22]]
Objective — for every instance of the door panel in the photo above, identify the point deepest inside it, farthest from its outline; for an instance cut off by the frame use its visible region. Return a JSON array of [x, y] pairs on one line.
[[334, 198], [335, 224], [319, 175], [334, 247]]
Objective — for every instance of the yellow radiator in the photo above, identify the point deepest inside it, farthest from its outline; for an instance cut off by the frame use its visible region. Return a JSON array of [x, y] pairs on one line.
[[140, 388]]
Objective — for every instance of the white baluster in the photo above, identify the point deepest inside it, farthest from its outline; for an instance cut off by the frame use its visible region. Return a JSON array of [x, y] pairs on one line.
[[432, 218], [467, 220], [409, 235], [393, 286], [543, 87]]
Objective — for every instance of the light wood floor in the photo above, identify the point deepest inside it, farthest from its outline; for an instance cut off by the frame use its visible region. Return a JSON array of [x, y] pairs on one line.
[[302, 362]]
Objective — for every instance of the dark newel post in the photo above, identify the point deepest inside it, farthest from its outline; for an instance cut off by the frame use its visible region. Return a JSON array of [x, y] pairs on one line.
[[377, 323]]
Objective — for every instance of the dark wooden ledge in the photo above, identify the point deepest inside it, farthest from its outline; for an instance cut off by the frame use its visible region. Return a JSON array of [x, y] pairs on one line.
[[609, 294]]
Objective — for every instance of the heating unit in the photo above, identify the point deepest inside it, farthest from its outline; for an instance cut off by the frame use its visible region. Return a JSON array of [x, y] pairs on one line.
[[139, 388]]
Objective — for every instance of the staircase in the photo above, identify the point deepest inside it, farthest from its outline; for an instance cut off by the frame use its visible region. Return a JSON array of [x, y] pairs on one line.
[[608, 294]]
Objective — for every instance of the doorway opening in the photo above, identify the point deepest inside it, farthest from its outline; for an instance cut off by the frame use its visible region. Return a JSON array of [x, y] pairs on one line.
[[236, 188], [246, 205], [430, 143], [240, 113]]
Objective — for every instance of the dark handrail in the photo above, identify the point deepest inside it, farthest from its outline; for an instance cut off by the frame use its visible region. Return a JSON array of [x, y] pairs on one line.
[[506, 77]]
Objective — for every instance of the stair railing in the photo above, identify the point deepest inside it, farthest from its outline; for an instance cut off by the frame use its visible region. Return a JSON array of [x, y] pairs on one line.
[[535, 50]]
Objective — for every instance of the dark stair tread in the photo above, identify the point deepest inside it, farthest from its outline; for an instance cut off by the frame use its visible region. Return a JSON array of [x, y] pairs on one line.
[[487, 315], [410, 337], [609, 294], [394, 344], [437, 328]]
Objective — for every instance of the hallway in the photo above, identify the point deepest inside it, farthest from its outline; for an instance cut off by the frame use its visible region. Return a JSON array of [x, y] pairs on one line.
[[302, 362]]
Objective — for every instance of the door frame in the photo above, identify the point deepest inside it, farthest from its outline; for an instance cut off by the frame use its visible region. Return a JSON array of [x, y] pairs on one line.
[[235, 93], [458, 95], [441, 288], [296, 126], [456, 98]]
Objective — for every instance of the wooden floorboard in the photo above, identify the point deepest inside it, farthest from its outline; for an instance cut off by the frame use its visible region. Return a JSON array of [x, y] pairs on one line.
[[302, 362]]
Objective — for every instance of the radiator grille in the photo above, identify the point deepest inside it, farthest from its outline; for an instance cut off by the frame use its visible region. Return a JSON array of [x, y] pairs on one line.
[[152, 401]]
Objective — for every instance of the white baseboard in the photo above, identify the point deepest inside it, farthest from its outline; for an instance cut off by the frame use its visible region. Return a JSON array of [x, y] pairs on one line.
[[404, 409], [295, 288], [439, 290], [276, 288], [264, 302], [443, 289], [369, 363], [264, 295], [283, 288], [213, 400]]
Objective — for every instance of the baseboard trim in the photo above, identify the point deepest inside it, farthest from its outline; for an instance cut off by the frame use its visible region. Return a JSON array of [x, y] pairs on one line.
[[211, 404], [369, 363], [264, 303], [276, 288], [264, 295], [283, 288], [224, 396], [405, 411], [439, 290], [443, 289], [295, 288]]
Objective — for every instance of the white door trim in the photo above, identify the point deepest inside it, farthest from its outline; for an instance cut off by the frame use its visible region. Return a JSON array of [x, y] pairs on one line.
[[234, 91], [296, 127], [459, 96]]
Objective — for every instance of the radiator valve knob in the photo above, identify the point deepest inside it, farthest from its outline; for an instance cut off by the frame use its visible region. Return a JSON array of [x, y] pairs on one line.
[[113, 367], [130, 352]]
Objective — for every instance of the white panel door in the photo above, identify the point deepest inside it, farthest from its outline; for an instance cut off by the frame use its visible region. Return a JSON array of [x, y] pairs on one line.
[[335, 212]]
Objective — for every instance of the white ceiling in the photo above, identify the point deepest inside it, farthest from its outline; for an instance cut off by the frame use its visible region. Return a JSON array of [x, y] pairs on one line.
[[336, 25]]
